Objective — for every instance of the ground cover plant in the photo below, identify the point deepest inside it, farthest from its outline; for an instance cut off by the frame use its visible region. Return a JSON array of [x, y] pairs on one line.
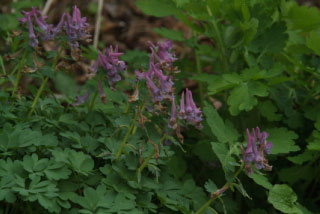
[[244, 138]]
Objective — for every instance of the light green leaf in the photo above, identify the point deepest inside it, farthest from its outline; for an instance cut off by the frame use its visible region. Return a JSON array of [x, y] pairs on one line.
[[261, 180], [223, 132], [313, 41], [283, 198], [304, 17], [210, 186], [282, 140], [243, 97]]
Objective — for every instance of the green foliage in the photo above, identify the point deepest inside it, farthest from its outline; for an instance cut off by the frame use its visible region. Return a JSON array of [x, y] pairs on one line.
[[256, 64], [261, 65], [283, 198]]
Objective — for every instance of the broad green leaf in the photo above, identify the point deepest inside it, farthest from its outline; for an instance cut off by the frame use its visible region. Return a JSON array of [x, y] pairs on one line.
[[282, 140], [57, 171], [314, 144], [243, 97], [223, 132], [273, 40], [304, 157], [268, 110], [313, 41], [261, 180], [170, 34], [159, 8], [304, 18], [283, 198], [180, 3]]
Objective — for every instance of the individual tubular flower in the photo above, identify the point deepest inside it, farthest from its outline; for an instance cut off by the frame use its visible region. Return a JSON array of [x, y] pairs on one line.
[[110, 62], [76, 27], [173, 119], [189, 111], [256, 153], [162, 53]]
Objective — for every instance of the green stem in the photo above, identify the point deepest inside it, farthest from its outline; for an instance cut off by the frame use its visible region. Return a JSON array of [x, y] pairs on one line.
[[35, 101], [43, 84], [15, 87], [93, 100], [125, 139], [217, 193], [146, 161], [201, 86]]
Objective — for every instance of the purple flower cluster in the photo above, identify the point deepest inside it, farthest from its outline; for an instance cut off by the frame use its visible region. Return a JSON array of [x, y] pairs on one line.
[[257, 148], [188, 111], [160, 85], [161, 54], [76, 27], [110, 62]]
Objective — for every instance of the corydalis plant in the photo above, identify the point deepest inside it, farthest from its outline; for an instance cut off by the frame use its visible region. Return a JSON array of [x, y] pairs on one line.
[[76, 28], [256, 151]]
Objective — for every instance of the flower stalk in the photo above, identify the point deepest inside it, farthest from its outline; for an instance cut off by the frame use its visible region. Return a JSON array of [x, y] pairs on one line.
[[224, 188]]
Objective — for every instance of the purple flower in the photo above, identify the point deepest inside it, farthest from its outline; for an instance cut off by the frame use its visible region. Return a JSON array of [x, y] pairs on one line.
[[76, 27], [111, 64], [162, 53], [101, 92], [33, 41], [154, 91], [255, 153], [173, 119], [189, 111]]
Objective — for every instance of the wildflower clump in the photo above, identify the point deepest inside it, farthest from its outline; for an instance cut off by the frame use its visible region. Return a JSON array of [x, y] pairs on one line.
[[256, 151], [75, 27]]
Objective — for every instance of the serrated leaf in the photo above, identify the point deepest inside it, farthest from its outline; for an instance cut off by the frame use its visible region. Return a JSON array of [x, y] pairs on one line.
[[261, 180], [268, 110], [210, 186], [244, 98], [223, 132], [304, 157], [273, 40], [282, 140], [283, 198], [304, 17], [57, 171]]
